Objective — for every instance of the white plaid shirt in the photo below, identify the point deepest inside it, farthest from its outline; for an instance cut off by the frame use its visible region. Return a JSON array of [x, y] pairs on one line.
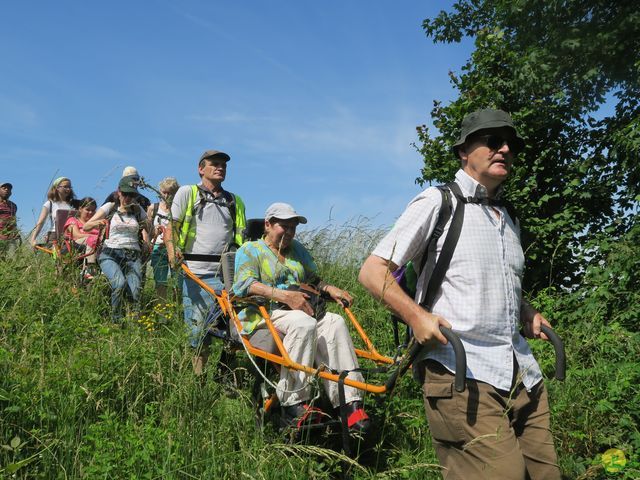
[[481, 292]]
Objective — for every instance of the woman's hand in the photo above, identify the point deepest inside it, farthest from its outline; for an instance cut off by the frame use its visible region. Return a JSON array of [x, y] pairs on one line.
[[97, 221], [295, 301], [341, 297]]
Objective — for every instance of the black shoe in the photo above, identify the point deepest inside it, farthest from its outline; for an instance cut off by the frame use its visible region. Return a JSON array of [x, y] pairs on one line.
[[300, 414], [357, 419]]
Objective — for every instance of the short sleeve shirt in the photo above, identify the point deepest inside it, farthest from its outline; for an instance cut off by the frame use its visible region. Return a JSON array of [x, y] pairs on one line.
[[212, 222], [52, 209], [481, 292], [161, 219], [123, 228]]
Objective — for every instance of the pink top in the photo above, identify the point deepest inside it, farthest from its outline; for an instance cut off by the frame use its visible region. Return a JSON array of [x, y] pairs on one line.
[[92, 240]]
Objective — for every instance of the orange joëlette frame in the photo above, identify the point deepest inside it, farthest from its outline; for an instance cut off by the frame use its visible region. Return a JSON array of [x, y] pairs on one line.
[[226, 304], [56, 249]]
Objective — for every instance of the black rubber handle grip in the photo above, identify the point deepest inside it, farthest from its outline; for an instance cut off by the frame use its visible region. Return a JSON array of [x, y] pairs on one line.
[[461, 357], [458, 350], [561, 359]]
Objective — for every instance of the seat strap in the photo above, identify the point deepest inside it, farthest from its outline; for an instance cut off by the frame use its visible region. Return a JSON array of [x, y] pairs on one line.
[[197, 257]]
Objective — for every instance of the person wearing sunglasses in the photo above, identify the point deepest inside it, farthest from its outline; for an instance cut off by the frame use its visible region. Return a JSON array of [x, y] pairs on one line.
[[499, 427], [141, 200], [126, 238]]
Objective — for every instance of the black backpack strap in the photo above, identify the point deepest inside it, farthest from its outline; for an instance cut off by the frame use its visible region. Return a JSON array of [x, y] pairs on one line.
[[137, 214], [429, 256], [231, 202], [154, 212], [511, 210], [437, 272], [229, 197]]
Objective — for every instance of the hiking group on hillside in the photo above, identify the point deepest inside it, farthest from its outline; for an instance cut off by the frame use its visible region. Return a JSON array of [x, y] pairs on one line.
[[499, 427]]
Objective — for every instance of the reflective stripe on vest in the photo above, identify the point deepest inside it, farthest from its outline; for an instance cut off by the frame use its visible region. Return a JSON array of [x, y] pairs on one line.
[[188, 233]]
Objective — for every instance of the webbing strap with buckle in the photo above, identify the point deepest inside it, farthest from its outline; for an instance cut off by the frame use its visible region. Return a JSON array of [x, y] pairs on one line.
[[200, 257]]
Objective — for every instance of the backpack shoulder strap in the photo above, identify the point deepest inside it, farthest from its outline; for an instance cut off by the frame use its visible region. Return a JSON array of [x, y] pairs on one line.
[[438, 269], [231, 202], [114, 209], [138, 211], [444, 214], [154, 212], [511, 210]]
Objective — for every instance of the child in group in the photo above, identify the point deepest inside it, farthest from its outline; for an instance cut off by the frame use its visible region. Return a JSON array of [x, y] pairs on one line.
[[59, 197], [74, 232], [158, 214]]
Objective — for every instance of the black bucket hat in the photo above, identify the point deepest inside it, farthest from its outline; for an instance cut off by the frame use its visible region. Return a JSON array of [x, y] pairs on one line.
[[484, 119], [128, 184]]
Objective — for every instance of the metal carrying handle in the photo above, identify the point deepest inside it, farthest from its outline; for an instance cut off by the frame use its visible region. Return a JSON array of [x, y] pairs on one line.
[[458, 350], [558, 346]]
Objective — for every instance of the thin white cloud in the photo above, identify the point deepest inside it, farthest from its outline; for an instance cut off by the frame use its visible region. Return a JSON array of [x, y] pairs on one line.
[[17, 115], [101, 152], [233, 118]]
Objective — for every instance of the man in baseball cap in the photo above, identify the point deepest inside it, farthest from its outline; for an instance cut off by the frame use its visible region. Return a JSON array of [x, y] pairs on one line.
[[208, 221]]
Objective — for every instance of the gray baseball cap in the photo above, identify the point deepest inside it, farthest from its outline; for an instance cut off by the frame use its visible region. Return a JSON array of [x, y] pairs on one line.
[[215, 154], [283, 211], [486, 118]]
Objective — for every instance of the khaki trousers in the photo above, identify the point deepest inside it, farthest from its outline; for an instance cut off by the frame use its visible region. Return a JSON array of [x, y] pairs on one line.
[[486, 433], [309, 342]]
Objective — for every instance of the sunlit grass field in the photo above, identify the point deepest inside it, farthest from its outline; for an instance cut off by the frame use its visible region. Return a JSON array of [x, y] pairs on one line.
[[82, 399]]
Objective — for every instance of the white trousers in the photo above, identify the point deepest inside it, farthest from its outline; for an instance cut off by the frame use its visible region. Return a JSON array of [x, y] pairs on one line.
[[313, 343]]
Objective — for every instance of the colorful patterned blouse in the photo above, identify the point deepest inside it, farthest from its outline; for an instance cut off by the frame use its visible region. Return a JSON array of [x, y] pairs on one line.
[[255, 262]]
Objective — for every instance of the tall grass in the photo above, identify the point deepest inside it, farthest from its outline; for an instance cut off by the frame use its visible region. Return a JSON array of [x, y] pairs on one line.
[[81, 399]]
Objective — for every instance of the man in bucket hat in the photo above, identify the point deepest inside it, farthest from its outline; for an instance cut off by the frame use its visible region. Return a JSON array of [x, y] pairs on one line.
[[499, 426]]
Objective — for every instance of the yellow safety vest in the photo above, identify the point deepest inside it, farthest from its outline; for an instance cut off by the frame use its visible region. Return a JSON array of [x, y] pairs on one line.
[[188, 231]]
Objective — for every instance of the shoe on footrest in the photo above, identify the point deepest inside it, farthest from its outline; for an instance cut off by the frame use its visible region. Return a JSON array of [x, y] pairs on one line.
[[301, 414], [357, 419]]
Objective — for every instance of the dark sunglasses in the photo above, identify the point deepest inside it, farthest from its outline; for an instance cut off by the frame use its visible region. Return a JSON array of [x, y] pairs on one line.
[[495, 141]]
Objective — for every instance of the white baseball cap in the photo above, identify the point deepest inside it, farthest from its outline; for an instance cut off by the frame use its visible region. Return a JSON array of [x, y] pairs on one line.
[[283, 211]]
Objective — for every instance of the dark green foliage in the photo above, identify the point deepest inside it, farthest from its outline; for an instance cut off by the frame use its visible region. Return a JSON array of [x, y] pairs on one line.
[[552, 65], [569, 73]]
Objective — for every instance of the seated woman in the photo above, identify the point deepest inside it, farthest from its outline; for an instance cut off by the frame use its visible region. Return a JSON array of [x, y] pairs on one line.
[[121, 255], [73, 228], [269, 267]]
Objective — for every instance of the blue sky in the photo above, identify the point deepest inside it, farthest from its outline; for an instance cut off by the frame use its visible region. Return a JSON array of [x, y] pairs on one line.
[[316, 102]]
